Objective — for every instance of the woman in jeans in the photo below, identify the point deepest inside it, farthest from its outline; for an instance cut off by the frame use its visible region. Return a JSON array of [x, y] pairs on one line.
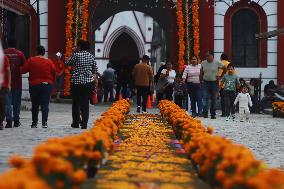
[[191, 77], [42, 74]]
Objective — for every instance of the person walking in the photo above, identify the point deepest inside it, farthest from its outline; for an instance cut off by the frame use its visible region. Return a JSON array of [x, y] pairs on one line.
[[143, 77], [82, 81], [191, 77], [16, 60], [59, 66], [245, 102], [209, 77], [108, 78], [231, 83], [42, 75], [169, 74], [5, 84], [179, 91]]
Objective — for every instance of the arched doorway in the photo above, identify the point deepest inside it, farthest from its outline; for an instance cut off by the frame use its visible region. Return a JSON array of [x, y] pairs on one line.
[[245, 24], [124, 52], [163, 12]]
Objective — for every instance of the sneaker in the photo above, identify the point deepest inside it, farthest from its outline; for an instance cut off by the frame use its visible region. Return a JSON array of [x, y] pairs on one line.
[[17, 124], [242, 120], [138, 109], [34, 125], [74, 125], [44, 125], [84, 126], [9, 124], [213, 117], [227, 118], [233, 117]]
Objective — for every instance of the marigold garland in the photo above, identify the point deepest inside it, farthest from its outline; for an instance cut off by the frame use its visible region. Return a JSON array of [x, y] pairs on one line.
[[181, 31], [219, 161], [187, 31], [195, 25], [61, 162], [85, 16]]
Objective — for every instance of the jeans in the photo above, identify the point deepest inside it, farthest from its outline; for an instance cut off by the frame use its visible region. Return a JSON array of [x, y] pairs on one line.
[[222, 101], [229, 98], [142, 91], [40, 96], [14, 105], [169, 92], [3, 99], [81, 95], [195, 94], [178, 100], [210, 91], [108, 89], [124, 91]]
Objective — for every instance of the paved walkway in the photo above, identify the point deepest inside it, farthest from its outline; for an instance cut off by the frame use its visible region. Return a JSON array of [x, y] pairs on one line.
[[23, 139]]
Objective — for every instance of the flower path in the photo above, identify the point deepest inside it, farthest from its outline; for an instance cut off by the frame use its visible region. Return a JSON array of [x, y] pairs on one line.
[[147, 157]]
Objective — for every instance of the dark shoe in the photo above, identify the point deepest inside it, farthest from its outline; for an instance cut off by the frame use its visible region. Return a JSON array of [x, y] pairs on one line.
[[17, 124], [34, 125], [138, 109], [83, 126], [74, 125], [213, 117], [205, 115], [193, 115], [9, 124], [44, 125]]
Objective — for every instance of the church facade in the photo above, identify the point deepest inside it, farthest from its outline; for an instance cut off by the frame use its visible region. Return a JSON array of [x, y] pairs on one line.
[[224, 27]]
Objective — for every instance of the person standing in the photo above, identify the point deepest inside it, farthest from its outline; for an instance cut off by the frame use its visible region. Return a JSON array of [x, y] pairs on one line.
[[191, 77], [245, 102], [59, 66], [82, 81], [108, 78], [169, 74], [231, 83], [179, 91], [209, 77], [5, 85], [225, 61], [42, 75], [16, 60], [143, 77]]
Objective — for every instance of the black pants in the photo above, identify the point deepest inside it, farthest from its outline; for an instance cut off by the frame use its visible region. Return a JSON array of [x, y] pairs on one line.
[[3, 102], [169, 92], [81, 94], [178, 100], [108, 89], [143, 92], [222, 101], [40, 96], [229, 97]]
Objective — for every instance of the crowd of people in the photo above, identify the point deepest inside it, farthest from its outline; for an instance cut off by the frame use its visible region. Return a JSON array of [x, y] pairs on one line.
[[202, 82]]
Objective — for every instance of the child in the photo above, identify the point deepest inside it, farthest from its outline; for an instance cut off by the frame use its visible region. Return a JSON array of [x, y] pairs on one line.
[[179, 90], [231, 83], [244, 102]]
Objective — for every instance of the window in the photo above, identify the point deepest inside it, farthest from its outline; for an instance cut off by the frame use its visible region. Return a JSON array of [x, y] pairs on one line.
[[245, 24]]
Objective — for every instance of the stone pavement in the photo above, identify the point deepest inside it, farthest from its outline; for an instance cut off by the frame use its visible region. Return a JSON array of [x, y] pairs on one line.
[[23, 139]]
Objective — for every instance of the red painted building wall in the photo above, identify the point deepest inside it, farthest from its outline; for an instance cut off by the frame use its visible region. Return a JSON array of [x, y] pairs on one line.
[[281, 43], [206, 13], [56, 26]]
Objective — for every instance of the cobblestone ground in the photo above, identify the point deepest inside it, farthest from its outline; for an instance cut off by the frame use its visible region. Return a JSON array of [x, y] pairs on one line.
[[263, 134], [22, 140]]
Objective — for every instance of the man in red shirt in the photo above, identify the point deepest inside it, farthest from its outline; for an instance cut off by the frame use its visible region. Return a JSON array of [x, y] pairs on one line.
[[59, 66], [16, 60], [42, 75], [4, 88]]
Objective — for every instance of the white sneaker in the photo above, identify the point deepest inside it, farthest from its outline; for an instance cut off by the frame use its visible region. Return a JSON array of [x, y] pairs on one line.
[[227, 118]]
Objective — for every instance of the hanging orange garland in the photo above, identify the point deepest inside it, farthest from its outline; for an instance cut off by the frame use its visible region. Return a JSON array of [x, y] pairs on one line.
[[85, 16], [195, 25], [69, 46], [181, 32], [187, 32]]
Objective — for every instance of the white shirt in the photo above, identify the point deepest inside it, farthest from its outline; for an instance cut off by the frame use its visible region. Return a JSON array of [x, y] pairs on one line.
[[171, 77], [244, 100], [191, 73]]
